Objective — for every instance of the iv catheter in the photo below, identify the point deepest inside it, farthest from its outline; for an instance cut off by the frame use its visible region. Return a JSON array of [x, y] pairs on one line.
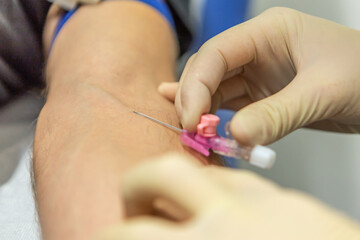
[[206, 138]]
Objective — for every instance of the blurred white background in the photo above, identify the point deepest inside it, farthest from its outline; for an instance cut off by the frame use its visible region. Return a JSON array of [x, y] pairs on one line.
[[326, 165]]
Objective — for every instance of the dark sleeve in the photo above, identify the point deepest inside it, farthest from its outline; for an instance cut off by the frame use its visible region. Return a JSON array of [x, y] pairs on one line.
[[21, 25]]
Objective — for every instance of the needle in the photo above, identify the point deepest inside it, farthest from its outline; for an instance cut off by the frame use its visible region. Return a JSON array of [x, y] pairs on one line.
[[160, 122]]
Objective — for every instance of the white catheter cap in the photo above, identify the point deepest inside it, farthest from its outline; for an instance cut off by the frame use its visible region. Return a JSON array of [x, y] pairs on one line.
[[262, 157]]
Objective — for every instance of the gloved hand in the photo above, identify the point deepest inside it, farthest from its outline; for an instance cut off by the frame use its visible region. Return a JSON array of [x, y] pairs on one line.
[[221, 204], [282, 70]]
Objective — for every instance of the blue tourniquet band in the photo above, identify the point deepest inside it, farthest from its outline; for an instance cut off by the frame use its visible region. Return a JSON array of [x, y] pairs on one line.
[[61, 23], [159, 5]]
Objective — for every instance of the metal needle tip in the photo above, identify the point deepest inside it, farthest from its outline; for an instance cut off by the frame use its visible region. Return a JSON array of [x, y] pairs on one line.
[[158, 121]]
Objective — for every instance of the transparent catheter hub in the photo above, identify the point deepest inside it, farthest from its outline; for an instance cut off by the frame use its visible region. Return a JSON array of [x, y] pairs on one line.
[[259, 156], [230, 148]]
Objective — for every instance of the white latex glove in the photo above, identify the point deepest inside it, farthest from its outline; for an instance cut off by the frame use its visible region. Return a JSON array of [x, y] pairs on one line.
[[221, 204], [282, 70]]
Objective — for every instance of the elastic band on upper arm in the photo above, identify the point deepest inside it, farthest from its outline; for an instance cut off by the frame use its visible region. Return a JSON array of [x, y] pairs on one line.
[[159, 5], [61, 23]]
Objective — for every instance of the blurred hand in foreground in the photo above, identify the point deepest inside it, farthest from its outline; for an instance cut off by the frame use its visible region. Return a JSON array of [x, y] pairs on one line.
[[215, 203]]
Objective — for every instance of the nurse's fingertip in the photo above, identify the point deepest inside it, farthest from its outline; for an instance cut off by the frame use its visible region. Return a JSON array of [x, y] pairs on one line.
[[189, 121], [162, 88], [168, 90]]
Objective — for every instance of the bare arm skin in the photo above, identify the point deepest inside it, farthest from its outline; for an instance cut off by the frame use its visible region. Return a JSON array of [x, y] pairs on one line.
[[107, 61]]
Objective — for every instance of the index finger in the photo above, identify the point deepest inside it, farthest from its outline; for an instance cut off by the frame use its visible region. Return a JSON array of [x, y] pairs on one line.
[[222, 54]]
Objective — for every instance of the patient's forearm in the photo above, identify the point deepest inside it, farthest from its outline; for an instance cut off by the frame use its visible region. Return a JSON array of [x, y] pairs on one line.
[[107, 61]]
